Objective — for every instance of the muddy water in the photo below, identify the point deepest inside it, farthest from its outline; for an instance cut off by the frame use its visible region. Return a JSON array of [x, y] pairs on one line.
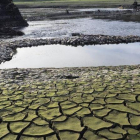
[[67, 56], [64, 28]]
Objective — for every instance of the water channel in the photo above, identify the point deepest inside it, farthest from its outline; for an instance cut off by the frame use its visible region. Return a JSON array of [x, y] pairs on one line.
[[64, 28]]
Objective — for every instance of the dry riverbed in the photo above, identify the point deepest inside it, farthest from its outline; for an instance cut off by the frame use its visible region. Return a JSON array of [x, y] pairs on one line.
[[70, 103], [85, 103]]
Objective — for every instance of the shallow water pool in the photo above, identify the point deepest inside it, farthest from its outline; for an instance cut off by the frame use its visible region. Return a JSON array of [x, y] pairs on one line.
[[67, 56]]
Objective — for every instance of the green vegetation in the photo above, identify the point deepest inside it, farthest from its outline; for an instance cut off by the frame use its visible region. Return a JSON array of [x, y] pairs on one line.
[[76, 3]]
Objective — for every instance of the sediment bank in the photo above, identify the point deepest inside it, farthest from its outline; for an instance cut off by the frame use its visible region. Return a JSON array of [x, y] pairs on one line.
[[61, 13]]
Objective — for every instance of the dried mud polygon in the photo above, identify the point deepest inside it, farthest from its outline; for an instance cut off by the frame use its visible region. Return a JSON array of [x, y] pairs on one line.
[[102, 103]]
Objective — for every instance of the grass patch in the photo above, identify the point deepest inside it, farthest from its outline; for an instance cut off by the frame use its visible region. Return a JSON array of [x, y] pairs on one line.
[[68, 3]]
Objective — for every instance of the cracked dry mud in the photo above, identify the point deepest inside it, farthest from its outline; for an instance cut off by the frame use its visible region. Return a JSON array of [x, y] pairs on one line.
[[70, 103]]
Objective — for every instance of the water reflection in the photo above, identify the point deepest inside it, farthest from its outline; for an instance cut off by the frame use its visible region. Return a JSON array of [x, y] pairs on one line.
[[67, 56]]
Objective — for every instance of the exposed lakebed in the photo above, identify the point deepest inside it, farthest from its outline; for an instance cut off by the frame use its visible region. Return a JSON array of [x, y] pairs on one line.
[[68, 56]]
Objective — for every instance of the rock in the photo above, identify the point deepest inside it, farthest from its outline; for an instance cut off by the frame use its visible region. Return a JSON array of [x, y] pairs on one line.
[[10, 32], [75, 34], [10, 15]]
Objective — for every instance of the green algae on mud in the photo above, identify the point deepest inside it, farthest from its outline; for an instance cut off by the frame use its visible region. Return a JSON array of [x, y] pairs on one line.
[[75, 109]]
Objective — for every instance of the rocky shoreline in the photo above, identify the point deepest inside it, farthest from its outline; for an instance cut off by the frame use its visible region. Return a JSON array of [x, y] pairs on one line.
[[8, 49]]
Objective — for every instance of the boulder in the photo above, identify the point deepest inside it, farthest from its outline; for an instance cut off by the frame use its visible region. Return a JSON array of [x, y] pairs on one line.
[[10, 32], [10, 15]]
